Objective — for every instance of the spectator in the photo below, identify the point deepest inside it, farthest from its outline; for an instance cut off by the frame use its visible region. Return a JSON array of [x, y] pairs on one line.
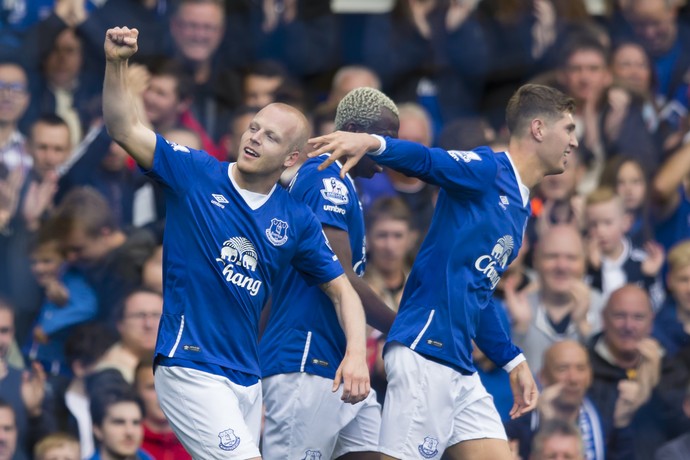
[[566, 376], [261, 81], [57, 446], [563, 306], [8, 431], [110, 258], [137, 321], [159, 439], [117, 416], [627, 366], [613, 260], [24, 390], [68, 301], [672, 323], [15, 99], [49, 146], [558, 439]]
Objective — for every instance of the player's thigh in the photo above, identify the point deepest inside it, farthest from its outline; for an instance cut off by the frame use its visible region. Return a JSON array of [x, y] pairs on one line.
[[479, 449], [302, 417], [417, 419], [359, 439], [475, 414], [208, 413]]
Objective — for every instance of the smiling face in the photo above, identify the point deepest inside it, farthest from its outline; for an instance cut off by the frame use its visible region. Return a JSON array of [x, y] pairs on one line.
[[558, 140], [197, 30], [272, 141]]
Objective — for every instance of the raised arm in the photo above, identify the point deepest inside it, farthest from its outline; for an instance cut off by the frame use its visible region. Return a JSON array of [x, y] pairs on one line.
[[378, 314], [353, 371], [119, 108], [669, 177]]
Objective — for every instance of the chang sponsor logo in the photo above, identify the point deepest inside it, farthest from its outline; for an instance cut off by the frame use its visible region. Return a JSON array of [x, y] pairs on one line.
[[239, 253], [490, 264]]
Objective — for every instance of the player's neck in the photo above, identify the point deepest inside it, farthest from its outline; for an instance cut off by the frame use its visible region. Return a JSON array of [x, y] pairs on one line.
[[252, 182], [526, 162]]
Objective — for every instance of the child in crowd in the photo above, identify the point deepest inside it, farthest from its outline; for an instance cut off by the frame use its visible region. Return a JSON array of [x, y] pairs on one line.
[[68, 301], [627, 177], [613, 259], [57, 446]]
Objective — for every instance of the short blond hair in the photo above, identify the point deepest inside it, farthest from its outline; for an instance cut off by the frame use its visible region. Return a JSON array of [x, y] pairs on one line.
[[604, 195], [51, 442], [679, 256]]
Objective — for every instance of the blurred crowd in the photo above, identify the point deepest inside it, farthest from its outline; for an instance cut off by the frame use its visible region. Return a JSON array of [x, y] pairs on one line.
[[599, 299]]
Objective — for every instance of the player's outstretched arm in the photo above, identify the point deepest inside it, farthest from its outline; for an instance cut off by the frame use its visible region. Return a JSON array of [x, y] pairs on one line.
[[353, 371], [351, 146], [119, 109]]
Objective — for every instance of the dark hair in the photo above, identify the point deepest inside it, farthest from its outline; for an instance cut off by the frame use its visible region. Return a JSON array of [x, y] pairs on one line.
[[582, 42], [86, 208], [393, 208], [107, 388], [531, 101], [121, 306], [87, 343], [267, 68], [184, 87]]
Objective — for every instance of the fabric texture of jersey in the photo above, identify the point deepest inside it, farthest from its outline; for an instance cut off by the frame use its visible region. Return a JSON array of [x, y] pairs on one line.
[[477, 230], [221, 258], [303, 332]]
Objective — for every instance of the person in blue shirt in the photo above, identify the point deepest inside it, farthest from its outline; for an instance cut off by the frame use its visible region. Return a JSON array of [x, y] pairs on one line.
[[303, 341], [230, 233], [435, 401]]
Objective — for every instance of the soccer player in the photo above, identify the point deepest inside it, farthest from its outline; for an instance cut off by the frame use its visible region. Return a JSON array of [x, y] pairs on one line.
[[230, 232], [303, 342], [435, 401]]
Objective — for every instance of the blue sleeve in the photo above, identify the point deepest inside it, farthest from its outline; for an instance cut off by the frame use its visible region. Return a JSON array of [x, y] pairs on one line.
[[458, 172], [326, 195], [81, 307], [315, 259], [177, 166], [492, 337]]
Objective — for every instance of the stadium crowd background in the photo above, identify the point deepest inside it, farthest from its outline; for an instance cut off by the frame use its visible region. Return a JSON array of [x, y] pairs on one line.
[[599, 299]]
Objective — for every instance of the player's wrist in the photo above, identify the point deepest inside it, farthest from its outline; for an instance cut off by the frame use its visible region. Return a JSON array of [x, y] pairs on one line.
[[377, 145]]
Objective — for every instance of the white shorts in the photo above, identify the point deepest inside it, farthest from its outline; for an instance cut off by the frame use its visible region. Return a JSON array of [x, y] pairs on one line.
[[304, 419], [212, 417], [430, 407]]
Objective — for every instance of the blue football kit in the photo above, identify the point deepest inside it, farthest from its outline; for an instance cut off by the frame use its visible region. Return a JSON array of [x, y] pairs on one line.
[[476, 231], [303, 333], [222, 255]]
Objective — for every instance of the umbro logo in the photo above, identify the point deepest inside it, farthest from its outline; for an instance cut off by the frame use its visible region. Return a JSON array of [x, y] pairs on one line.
[[503, 201], [219, 200]]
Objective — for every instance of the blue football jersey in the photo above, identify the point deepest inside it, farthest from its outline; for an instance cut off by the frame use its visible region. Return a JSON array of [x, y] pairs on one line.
[[476, 231], [221, 258], [303, 333]]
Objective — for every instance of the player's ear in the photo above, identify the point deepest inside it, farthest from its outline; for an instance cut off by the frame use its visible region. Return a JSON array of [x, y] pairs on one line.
[[291, 158]]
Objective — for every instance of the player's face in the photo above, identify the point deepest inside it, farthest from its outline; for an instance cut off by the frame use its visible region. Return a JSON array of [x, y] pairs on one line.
[[559, 141], [679, 285], [606, 225], [631, 185], [627, 320], [8, 434], [560, 260], [267, 146], [139, 326], [121, 432]]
